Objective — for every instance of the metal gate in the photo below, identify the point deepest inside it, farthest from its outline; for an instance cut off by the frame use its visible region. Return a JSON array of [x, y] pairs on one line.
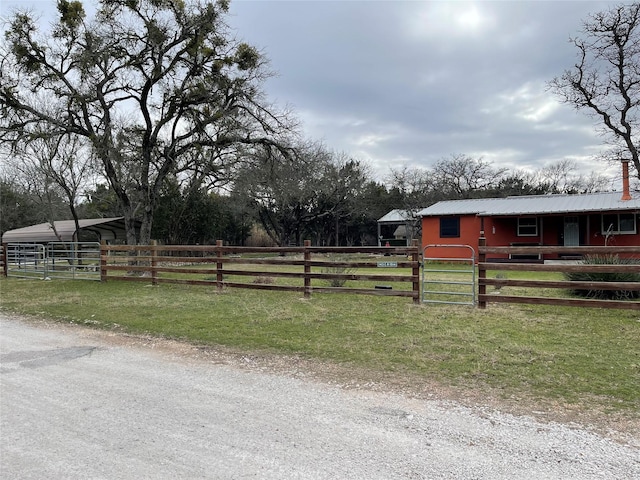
[[68, 260], [450, 280]]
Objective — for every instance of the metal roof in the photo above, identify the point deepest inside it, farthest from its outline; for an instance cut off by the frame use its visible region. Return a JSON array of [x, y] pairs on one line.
[[105, 228], [398, 216], [535, 205]]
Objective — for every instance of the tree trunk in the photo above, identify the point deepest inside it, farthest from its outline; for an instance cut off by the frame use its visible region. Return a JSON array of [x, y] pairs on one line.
[[130, 229], [145, 229]]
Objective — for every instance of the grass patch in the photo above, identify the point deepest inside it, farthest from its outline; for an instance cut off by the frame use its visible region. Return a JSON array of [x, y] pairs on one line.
[[588, 357]]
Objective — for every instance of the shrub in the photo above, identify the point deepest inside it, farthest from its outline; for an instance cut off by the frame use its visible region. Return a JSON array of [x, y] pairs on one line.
[[338, 269], [605, 277], [500, 276], [263, 280]]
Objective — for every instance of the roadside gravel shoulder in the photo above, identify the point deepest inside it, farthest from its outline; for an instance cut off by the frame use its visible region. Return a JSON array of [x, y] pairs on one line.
[[620, 428]]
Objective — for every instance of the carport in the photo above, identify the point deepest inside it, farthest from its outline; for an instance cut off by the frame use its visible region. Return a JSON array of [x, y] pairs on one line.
[[397, 228], [60, 249], [91, 229]]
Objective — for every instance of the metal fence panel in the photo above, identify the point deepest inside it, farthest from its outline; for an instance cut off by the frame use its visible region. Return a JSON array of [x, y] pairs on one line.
[[73, 260], [67, 260], [26, 260]]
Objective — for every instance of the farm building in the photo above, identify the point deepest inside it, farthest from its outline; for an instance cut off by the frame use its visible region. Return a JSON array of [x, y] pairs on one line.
[[397, 228], [595, 219], [91, 229]]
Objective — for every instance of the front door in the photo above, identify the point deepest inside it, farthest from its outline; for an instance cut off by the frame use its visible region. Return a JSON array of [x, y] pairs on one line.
[[571, 232]]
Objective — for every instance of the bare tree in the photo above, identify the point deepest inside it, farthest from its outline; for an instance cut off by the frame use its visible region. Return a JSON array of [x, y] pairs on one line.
[[416, 189], [563, 177], [462, 176], [54, 168], [43, 194], [605, 80], [415, 186]]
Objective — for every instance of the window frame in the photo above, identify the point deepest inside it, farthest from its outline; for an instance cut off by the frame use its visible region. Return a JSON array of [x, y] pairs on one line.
[[618, 223], [451, 219], [521, 227]]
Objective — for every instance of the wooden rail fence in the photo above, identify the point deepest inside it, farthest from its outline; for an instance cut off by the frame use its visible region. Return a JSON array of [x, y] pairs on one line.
[[224, 266], [561, 267]]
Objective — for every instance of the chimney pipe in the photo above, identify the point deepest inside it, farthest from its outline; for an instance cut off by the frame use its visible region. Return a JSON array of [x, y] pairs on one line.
[[626, 195]]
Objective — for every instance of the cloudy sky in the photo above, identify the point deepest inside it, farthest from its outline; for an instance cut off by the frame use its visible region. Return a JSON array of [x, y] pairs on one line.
[[406, 83]]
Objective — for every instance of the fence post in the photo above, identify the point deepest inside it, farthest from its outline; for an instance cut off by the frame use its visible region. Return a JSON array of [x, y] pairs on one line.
[[482, 273], [154, 262], [5, 258], [415, 272], [307, 269], [219, 276], [103, 260]]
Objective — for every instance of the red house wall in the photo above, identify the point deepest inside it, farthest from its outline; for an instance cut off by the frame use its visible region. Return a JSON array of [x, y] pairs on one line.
[[502, 231], [596, 237], [469, 234]]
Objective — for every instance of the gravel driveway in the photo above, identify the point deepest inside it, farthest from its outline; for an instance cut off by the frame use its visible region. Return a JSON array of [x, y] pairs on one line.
[[74, 404]]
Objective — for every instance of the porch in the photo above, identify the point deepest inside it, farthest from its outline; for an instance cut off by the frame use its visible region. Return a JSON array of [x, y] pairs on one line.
[[576, 230]]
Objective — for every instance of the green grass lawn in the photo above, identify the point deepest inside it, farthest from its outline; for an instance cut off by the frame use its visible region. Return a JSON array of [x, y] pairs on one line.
[[585, 357]]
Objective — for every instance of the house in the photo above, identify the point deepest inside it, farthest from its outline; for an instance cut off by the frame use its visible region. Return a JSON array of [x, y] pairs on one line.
[[609, 218], [94, 229]]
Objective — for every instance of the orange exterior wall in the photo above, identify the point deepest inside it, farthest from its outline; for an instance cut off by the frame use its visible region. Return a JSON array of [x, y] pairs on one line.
[[502, 231], [469, 234]]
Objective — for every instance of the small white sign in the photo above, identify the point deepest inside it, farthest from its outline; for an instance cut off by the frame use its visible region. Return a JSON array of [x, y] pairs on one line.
[[387, 264]]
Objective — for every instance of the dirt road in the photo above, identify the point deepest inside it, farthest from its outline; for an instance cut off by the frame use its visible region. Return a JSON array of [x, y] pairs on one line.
[[75, 405]]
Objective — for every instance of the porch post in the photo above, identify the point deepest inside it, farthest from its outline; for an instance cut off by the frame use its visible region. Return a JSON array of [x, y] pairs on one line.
[[542, 236]]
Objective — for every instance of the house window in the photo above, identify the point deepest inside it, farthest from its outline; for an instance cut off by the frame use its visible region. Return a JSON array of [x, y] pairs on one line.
[[618, 223], [449, 227], [528, 227]]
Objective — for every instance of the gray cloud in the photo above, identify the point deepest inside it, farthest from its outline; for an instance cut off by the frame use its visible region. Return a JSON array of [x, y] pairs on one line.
[[407, 83]]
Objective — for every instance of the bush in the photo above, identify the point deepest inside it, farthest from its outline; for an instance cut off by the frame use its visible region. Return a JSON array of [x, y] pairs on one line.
[[500, 276], [338, 269], [606, 277]]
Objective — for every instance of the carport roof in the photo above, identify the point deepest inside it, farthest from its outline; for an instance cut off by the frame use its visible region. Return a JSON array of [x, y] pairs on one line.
[[397, 216], [106, 228]]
